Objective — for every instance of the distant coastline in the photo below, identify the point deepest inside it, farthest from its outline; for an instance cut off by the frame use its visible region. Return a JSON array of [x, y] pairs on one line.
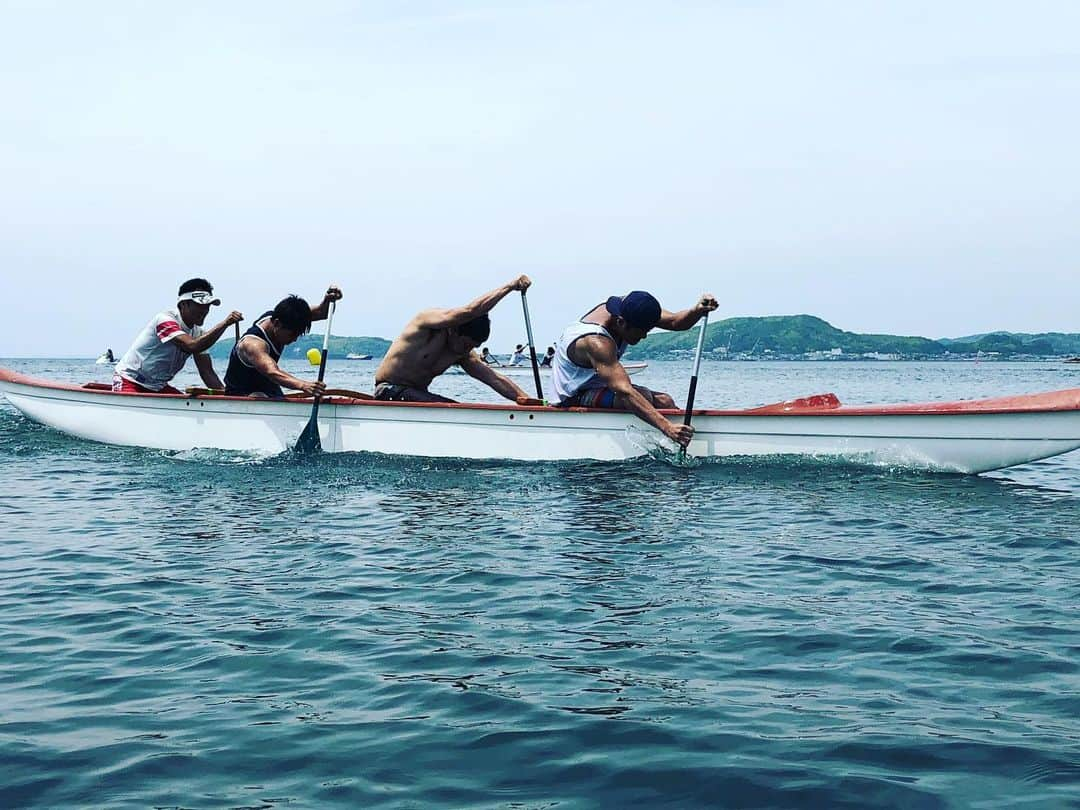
[[806, 337], [339, 346], [774, 337]]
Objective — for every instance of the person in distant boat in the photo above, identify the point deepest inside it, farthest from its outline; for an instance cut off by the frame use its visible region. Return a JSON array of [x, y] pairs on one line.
[[518, 357], [548, 358], [169, 339], [253, 364], [109, 356], [586, 370], [436, 339], [488, 357]]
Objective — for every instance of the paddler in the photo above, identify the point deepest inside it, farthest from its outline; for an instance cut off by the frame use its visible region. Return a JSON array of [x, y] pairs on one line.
[[165, 343], [517, 357], [253, 364], [436, 339], [586, 371]]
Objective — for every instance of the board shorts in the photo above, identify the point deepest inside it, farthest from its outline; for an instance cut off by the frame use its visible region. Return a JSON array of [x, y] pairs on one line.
[[601, 398], [122, 385], [590, 398], [390, 392]]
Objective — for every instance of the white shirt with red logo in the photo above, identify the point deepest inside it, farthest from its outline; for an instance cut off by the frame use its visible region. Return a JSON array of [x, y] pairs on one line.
[[154, 358]]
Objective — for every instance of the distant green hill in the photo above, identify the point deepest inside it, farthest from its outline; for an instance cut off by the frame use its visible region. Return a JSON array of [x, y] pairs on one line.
[[339, 346], [784, 334], [773, 335], [1046, 343]]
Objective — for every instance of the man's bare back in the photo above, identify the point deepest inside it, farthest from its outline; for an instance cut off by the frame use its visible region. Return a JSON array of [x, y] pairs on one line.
[[436, 339], [418, 356]]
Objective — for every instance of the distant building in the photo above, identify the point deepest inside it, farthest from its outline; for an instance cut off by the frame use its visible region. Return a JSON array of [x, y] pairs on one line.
[[830, 354]]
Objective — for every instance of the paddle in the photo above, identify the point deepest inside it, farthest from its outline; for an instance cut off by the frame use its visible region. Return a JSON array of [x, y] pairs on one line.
[[532, 347], [693, 379], [310, 441]]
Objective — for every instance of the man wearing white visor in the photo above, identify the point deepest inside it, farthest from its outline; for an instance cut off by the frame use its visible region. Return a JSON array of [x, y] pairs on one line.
[[164, 345]]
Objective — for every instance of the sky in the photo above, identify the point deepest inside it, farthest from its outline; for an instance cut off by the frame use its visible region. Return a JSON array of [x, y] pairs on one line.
[[901, 167]]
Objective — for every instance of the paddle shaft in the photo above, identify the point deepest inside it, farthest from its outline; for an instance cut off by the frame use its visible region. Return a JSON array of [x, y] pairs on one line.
[[326, 346], [310, 440], [532, 347], [697, 367]]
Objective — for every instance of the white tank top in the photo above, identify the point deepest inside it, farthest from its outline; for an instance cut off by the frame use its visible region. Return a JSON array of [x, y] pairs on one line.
[[568, 377]]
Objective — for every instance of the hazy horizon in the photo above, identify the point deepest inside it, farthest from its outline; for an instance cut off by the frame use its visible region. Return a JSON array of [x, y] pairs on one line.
[[540, 345], [902, 168]]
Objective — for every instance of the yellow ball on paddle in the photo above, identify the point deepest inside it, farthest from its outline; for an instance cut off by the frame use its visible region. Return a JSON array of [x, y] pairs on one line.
[[314, 356]]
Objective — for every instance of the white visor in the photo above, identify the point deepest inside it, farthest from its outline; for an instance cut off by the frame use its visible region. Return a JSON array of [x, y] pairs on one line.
[[199, 297]]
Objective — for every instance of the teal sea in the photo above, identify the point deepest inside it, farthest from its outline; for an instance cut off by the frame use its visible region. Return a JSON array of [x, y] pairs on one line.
[[204, 630]]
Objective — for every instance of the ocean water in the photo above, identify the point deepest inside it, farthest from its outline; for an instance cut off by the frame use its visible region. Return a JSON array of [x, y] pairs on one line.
[[206, 630]]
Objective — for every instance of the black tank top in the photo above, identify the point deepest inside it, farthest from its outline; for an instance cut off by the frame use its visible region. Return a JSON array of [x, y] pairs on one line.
[[242, 380]]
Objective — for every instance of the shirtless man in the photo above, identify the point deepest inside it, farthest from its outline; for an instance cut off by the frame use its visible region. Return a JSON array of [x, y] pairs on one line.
[[436, 339], [587, 372]]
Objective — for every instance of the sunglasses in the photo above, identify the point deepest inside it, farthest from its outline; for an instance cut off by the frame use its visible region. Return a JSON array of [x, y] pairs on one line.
[[199, 297]]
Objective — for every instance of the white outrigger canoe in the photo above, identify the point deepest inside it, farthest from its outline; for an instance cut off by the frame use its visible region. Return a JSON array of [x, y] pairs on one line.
[[967, 437]]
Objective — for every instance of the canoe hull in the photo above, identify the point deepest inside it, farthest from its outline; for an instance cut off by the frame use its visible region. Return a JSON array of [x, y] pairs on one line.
[[163, 422], [965, 441], [948, 443]]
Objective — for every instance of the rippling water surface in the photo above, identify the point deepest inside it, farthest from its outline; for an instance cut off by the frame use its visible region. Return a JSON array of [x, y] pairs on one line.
[[208, 630]]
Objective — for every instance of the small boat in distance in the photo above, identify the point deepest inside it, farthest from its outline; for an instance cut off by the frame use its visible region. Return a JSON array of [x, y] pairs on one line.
[[526, 369], [1072, 360], [105, 358], [355, 356]]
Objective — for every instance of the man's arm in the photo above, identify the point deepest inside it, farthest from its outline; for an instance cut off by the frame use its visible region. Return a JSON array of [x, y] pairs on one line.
[[445, 318], [600, 352], [255, 354], [321, 312], [208, 338], [479, 370], [681, 321], [206, 371]]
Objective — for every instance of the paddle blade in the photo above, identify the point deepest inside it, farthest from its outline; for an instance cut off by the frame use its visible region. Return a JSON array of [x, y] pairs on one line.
[[310, 441]]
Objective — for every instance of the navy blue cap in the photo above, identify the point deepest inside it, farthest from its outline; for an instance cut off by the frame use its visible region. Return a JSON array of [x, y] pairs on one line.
[[637, 308]]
